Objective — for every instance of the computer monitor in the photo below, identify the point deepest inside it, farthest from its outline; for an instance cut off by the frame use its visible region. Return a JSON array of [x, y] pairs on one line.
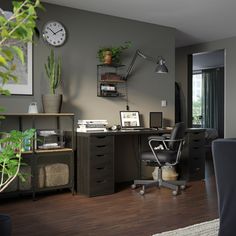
[[129, 119], [155, 120]]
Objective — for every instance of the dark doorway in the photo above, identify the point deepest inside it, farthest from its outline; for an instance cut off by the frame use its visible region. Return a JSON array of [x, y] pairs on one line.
[[206, 91]]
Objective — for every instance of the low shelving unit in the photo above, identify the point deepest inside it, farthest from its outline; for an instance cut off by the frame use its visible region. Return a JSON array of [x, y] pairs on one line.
[[44, 169]]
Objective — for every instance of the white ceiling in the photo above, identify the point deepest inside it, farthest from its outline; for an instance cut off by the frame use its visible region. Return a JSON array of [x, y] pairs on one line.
[[196, 21]]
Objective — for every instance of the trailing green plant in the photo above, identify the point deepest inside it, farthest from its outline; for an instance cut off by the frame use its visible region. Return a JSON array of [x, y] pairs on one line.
[[53, 71], [12, 146], [16, 28], [115, 51]]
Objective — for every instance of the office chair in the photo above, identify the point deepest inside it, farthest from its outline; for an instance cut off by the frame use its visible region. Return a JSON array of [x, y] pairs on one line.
[[169, 155]]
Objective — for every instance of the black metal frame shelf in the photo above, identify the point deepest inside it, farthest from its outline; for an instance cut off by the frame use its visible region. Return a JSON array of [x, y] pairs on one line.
[[36, 157], [110, 82]]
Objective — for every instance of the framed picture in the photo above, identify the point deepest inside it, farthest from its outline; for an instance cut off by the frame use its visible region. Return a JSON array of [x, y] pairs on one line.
[[24, 73]]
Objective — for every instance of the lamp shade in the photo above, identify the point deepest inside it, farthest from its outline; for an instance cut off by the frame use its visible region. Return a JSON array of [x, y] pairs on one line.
[[161, 67]]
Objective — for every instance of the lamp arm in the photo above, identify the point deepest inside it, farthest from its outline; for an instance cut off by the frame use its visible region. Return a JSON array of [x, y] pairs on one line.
[[137, 53]]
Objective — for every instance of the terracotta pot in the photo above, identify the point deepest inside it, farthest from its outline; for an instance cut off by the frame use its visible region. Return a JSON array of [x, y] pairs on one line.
[[107, 57]]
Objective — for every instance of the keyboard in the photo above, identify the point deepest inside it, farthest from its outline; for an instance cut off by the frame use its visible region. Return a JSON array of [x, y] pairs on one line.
[[138, 128]]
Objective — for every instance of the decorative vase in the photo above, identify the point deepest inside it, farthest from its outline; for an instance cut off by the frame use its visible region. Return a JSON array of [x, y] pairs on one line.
[[5, 225], [107, 57], [52, 103]]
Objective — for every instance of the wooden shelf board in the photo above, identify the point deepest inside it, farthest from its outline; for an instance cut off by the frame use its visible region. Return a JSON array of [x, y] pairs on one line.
[[54, 150], [37, 114], [27, 152], [112, 81]]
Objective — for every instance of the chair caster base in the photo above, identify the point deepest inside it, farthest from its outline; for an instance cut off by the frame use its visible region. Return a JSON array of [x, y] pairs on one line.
[[133, 186], [175, 192], [142, 192], [182, 187]]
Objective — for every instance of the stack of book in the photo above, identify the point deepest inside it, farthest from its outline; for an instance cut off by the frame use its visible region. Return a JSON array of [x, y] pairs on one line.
[[92, 125]]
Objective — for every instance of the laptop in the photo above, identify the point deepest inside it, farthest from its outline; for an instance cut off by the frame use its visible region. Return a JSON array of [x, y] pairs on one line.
[[130, 120]]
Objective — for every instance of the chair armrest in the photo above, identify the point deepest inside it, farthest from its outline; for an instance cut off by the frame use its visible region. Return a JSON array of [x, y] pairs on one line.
[[173, 140], [156, 138], [163, 140]]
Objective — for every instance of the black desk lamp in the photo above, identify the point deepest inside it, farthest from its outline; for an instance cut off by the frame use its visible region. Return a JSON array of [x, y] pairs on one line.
[[160, 68]]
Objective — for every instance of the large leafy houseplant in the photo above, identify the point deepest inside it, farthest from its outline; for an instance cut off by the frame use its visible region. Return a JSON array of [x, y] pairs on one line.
[[15, 28]]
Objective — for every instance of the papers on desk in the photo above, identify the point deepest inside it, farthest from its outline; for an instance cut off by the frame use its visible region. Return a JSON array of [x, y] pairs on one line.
[[92, 125]]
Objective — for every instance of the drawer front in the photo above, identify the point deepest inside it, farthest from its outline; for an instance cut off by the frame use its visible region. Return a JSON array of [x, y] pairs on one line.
[[101, 186], [100, 145], [196, 152], [196, 142], [100, 170], [101, 150], [101, 159], [101, 140], [197, 172], [196, 135]]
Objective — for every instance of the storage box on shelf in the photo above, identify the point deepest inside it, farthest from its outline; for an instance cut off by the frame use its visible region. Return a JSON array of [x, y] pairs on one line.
[[110, 82], [49, 139], [50, 160]]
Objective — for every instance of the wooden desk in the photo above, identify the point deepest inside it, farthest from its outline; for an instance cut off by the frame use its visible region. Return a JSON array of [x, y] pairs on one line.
[[104, 158]]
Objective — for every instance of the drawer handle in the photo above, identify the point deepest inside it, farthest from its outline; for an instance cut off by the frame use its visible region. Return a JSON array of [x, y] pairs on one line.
[[196, 158], [100, 155], [100, 146], [101, 137], [101, 181], [197, 169], [196, 140], [196, 147], [100, 168]]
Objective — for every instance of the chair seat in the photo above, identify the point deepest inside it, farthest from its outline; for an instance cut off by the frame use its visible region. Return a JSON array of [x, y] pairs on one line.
[[163, 156]]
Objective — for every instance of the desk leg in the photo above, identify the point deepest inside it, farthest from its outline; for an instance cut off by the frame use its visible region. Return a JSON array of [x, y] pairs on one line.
[[139, 157]]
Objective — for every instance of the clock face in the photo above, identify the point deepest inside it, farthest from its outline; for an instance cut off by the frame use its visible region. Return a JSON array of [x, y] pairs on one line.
[[54, 33]]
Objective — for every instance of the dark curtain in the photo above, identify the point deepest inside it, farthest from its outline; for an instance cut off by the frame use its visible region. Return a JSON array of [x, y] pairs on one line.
[[213, 99], [177, 103]]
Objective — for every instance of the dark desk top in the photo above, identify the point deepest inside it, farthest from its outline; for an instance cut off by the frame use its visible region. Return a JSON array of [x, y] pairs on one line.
[[124, 132]]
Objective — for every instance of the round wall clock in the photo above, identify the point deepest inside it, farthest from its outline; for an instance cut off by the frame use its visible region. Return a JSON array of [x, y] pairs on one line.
[[54, 33]]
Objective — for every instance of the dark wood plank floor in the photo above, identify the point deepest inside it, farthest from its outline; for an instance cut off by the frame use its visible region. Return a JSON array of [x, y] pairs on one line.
[[123, 213]]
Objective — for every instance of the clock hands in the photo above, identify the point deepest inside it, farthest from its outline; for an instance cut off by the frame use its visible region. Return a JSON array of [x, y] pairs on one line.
[[58, 31], [51, 30], [55, 32]]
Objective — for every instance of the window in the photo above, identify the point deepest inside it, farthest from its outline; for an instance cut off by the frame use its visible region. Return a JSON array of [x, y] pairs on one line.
[[197, 100]]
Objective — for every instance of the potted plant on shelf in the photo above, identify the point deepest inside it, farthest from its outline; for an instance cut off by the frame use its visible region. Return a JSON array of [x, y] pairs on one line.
[[16, 28], [52, 102], [112, 55]]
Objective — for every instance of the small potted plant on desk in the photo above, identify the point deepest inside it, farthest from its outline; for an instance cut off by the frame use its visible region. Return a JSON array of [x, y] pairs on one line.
[[16, 27], [112, 55], [52, 102]]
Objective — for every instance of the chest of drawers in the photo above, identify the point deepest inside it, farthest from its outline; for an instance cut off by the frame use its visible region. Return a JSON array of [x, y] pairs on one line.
[[95, 164]]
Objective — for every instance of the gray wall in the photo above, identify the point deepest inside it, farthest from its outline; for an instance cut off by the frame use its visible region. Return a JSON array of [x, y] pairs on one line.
[[230, 77], [87, 32]]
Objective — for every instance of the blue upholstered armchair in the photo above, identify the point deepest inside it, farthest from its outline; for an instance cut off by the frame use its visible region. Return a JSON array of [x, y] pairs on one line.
[[224, 157]]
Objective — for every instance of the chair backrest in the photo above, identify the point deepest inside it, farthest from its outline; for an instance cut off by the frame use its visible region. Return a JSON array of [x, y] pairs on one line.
[[177, 133]]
